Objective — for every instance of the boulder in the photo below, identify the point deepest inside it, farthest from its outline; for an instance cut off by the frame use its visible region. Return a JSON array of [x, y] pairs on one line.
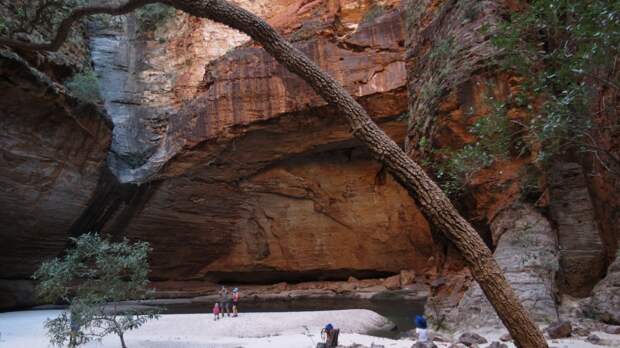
[[580, 331], [392, 283], [496, 344], [424, 345], [505, 337], [612, 329], [407, 277], [604, 304], [594, 339], [559, 329], [470, 338]]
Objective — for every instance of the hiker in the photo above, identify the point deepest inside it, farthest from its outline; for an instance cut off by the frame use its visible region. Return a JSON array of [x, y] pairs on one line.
[[224, 301], [216, 311], [330, 334], [421, 328], [74, 334], [235, 302]]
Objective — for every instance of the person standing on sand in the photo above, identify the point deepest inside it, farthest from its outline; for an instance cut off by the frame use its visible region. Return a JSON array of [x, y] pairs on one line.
[[224, 301], [421, 329], [216, 311], [235, 302]]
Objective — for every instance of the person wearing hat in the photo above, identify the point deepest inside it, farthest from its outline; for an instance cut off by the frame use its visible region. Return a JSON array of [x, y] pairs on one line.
[[331, 336], [235, 301], [421, 328]]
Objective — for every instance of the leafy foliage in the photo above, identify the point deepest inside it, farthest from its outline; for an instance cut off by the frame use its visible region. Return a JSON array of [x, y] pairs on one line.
[[85, 86], [153, 15], [493, 133], [93, 276], [374, 12], [563, 48], [36, 18]]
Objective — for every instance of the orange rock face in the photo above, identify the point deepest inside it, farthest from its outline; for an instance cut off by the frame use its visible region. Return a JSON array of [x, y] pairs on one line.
[[263, 182]]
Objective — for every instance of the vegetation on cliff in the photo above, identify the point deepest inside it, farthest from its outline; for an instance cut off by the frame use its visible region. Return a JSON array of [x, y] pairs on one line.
[[564, 52]]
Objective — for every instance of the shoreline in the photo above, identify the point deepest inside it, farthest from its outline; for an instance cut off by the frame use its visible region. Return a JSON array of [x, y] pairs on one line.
[[24, 329]]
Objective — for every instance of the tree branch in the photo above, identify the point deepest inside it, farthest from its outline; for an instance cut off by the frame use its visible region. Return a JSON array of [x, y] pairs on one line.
[[75, 15]]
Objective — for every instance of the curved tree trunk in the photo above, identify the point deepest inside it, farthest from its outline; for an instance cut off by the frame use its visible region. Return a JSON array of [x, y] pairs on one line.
[[433, 203]]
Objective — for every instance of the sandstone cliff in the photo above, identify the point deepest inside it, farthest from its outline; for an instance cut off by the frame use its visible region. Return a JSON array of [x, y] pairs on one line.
[[235, 170]]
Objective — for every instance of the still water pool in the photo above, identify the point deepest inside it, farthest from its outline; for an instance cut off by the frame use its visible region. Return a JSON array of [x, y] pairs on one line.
[[400, 312]]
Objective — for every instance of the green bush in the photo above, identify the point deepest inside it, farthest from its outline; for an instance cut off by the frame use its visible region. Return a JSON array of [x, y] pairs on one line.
[[85, 86], [374, 12], [92, 277], [564, 49], [151, 16]]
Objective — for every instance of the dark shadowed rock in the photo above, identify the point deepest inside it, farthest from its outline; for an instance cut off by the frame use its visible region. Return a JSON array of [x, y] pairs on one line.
[[580, 331], [497, 345], [559, 329], [594, 339], [470, 338], [612, 329], [604, 304], [505, 337], [424, 345]]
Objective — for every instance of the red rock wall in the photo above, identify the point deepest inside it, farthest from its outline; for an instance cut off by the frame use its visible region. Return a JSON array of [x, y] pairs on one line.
[[264, 182]]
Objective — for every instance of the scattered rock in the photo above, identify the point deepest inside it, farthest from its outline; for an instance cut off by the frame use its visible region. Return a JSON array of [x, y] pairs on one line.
[[604, 304], [438, 338], [424, 345], [392, 283], [580, 331], [496, 344], [559, 329], [612, 329], [594, 339], [457, 345], [407, 277], [505, 337], [470, 338]]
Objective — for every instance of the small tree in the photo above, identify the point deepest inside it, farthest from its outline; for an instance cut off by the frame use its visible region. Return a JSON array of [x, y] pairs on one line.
[[92, 278]]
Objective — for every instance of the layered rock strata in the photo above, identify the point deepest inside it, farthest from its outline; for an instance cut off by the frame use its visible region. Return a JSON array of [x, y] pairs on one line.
[[605, 302], [527, 252], [53, 148], [582, 255], [266, 182]]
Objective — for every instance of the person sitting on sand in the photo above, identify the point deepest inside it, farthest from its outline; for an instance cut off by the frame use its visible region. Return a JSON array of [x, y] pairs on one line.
[[331, 336], [421, 328], [235, 302], [216, 311], [224, 301]]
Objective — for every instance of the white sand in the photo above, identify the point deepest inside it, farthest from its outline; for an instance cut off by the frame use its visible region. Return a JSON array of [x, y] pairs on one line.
[[253, 330], [25, 330]]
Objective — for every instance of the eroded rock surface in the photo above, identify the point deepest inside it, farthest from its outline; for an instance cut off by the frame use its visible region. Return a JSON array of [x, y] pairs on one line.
[[53, 148], [527, 253], [605, 301], [582, 255]]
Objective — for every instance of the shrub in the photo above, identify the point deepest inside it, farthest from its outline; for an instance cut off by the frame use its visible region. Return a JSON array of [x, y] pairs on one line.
[[85, 86], [563, 48], [374, 12], [151, 16], [92, 277]]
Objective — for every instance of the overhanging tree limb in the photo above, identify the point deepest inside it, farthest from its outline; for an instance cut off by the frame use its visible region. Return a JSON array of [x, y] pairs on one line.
[[433, 203]]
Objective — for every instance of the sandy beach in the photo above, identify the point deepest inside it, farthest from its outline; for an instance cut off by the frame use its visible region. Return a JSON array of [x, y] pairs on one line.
[[24, 329]]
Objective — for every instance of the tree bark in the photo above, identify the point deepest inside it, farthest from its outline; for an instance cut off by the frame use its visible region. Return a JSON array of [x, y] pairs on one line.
[[433, 203]]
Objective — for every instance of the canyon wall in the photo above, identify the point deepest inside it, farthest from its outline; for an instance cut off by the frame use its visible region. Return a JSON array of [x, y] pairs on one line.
[[236, 171]]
